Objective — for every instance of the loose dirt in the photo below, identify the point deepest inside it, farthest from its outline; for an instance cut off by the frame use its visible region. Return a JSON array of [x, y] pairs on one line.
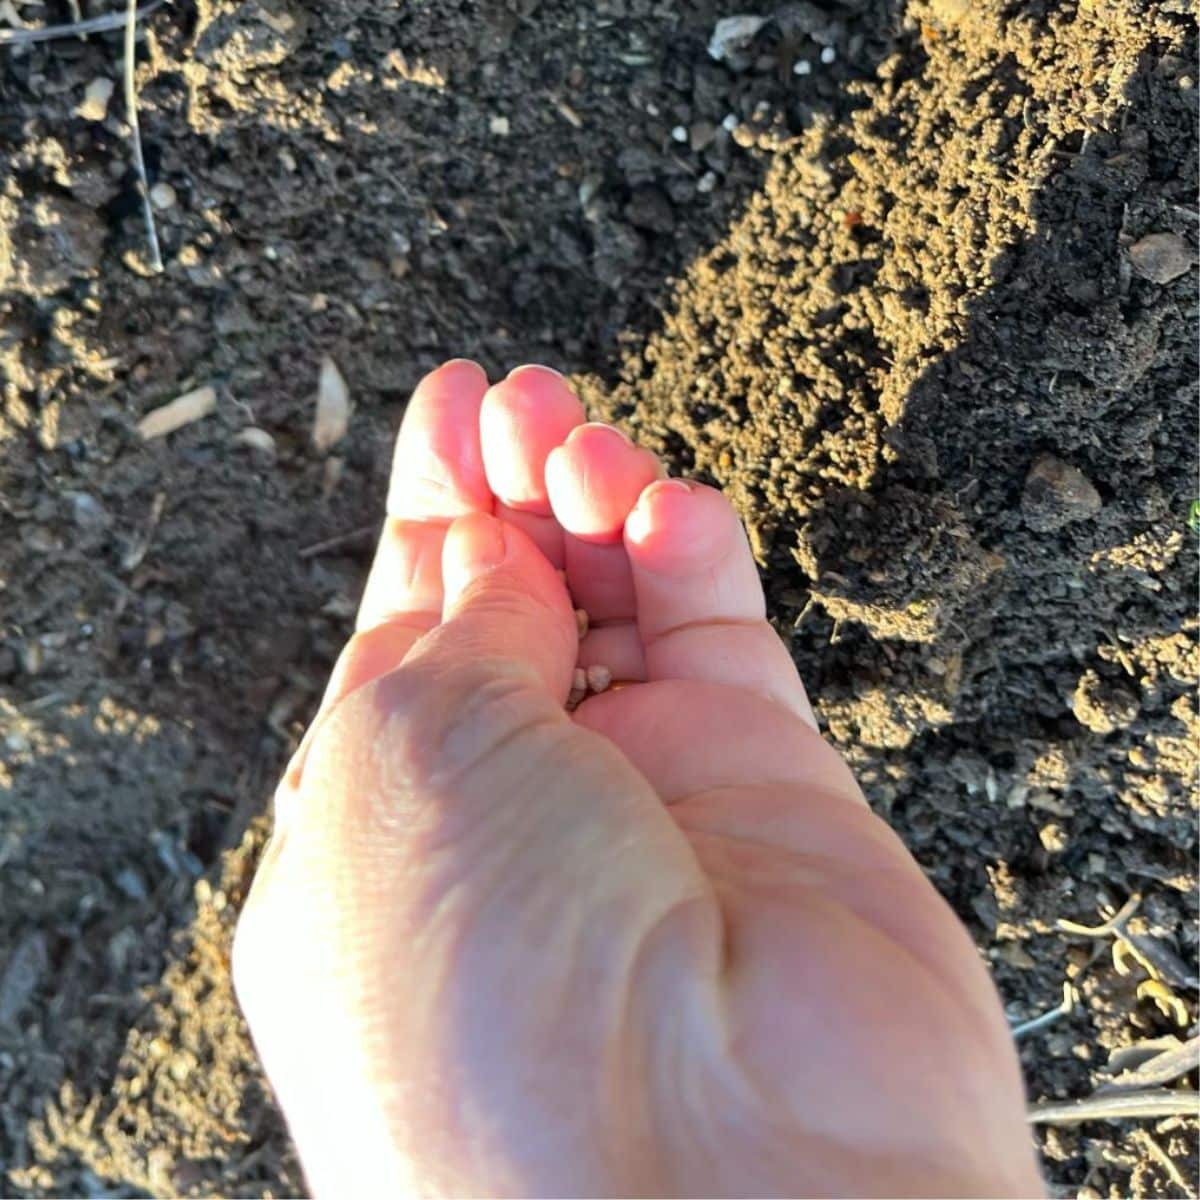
[[927, 311]]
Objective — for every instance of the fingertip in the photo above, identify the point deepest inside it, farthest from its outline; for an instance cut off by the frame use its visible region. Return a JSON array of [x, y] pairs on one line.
[[677, 526], [437, 467], [455, 370], [522, 419], [593, 480]]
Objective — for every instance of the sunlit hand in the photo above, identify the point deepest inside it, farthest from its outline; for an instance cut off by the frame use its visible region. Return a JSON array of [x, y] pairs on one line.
[[657, 945]]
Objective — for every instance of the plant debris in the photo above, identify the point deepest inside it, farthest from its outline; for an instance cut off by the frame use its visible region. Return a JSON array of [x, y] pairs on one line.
[[181, 411], [332, 416]]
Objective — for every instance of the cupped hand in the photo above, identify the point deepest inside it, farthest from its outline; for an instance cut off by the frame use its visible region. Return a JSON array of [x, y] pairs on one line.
[[656, 945]]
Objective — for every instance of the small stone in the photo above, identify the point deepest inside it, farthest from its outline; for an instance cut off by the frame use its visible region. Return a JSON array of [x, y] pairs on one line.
[[87, 511], [499, 126], [581, 623], [730, 123], [131, 883], [701, 134], [1053, 838], [706, 182], [1161, 257], [802, 67], [162, 196], [1056, 494], [828, 55], [94, 105], [598, 677], [731, 38], [679, 134], [1015, 955]]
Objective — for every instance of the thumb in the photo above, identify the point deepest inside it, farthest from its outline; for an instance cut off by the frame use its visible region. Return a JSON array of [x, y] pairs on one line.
[[505, 609], [468, 883]]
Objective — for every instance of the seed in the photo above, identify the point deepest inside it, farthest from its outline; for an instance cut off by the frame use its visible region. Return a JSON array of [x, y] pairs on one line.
[[598, 677]]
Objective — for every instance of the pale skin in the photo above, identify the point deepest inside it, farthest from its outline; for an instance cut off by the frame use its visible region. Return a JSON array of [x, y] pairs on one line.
[[655, 946]]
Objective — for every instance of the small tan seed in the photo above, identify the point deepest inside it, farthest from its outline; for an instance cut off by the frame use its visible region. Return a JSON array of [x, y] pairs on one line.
[[598, 677]]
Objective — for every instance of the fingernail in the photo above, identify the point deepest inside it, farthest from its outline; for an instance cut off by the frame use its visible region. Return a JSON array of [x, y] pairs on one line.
[[537, 367], [674, 485], [599, 425]]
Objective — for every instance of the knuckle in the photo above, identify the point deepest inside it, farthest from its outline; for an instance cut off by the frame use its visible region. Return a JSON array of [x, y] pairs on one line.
[[449, 724]]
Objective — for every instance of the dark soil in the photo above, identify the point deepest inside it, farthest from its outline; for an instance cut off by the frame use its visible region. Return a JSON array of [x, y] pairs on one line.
[[899, 312]]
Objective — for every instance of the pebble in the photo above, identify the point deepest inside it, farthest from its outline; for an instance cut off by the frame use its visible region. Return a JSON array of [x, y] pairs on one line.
[[828, 55], [94, 105], [162, 196], [1053, 838], [499, 126], [706, 182], [87, 511], [1056, 494], [679, 134], [1161, 257], [802, 67], [730, 123], [701, 135]]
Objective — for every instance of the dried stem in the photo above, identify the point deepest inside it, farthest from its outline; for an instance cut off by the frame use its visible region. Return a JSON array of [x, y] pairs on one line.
[[100, 24], [139, 163]]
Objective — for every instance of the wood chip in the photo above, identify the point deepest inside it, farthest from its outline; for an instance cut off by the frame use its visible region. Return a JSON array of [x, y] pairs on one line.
[[332, 417], [189, 407]]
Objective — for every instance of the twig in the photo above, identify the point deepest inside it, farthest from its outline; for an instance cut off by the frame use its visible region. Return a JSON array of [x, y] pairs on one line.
[[1114, 924], [100, 24], [1117, 1106], [1070, 996], [335, 543], [1162, 1068], [139, 163]]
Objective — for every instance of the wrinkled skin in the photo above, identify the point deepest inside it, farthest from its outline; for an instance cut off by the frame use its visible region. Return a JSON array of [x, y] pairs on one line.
[[657, 945]]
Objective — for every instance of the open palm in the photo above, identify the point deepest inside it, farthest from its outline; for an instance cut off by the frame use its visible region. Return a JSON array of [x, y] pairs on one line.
[[658, 945]]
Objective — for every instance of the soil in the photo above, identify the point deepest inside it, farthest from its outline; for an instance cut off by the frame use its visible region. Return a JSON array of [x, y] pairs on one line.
[[899, 305]]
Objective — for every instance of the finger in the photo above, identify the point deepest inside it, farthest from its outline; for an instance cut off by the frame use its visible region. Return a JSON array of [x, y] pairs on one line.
[[593, 480], [681, 735], [523, 419], [700, 605], [504, 605], [618, 648], [437, 471], [523, 622], [437, 475]]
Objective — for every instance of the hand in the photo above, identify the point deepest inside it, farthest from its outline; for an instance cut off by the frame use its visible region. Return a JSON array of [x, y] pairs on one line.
[[656, 945]]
